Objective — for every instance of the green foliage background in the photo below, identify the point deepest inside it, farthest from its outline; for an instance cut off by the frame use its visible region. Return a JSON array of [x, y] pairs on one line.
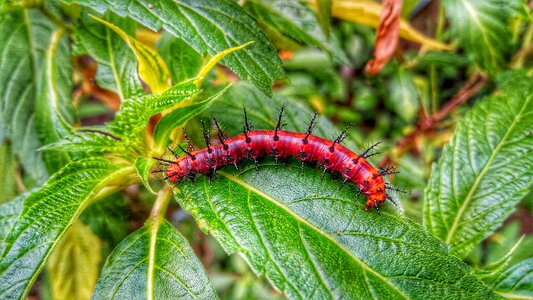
[[83, 215]]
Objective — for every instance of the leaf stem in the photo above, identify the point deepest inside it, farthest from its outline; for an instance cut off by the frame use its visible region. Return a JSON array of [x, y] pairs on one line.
[[156, 216], [160, 206]]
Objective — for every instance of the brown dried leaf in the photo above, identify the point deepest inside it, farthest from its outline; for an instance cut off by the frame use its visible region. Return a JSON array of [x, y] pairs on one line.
[[387, 36]]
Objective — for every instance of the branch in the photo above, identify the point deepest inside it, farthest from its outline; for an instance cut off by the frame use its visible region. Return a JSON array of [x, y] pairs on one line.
[[427, 124]]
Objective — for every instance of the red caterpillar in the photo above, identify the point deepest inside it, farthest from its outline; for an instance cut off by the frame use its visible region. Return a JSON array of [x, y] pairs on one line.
[[282, 144]]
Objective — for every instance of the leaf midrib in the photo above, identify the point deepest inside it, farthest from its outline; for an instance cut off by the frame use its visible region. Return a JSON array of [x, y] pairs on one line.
[[315, 228], [485, 169], [113, 62]]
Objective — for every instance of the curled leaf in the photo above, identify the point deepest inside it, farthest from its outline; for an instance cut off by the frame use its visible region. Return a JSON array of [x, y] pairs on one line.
[[387, 37]]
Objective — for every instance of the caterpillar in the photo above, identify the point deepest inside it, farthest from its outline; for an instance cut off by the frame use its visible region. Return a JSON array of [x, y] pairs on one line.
[[281, 145]]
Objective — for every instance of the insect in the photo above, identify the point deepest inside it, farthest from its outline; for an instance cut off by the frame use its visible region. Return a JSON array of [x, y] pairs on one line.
[[281, 145]]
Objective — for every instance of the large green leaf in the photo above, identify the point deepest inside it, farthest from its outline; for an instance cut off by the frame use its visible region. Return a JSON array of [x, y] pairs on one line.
[[53, 108], [312, 239], [74, 265], [46, 216], [209, 29], [481, 27], [24, 38], [484, 171], [296, 20], [36, 96], [154, 264], [117, 67], [516, 282]]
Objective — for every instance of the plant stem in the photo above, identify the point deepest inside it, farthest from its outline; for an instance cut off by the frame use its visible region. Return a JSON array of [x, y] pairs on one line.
[[160, 206]]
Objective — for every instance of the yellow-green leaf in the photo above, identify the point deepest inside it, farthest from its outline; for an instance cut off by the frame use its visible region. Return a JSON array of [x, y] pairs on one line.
[[214, 60], [367, 12], [74, 265], [152, 68]]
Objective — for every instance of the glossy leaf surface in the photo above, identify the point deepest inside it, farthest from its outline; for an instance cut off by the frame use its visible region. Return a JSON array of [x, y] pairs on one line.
[[312, 239], [170, 271], [484, 171], [24, 42], [517, 281], [45, 217]]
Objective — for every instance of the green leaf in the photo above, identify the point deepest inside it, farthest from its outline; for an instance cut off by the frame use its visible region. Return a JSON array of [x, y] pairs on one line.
[[404, 95], [209, 29], [136, 112], [484, 171], [183, 61], [26, 35], [152, 68], [75, 264], [53, 109], [312, 239], [481, 27], [9, 213], [516, 282], [143, 166], [162, 267], [296, 20], [117, 67], [47, 214], [179, 117], [90, 142], [504, 241]]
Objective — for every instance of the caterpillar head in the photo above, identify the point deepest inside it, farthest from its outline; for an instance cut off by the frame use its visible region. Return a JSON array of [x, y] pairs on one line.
[[174, 173], [375, 199]]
